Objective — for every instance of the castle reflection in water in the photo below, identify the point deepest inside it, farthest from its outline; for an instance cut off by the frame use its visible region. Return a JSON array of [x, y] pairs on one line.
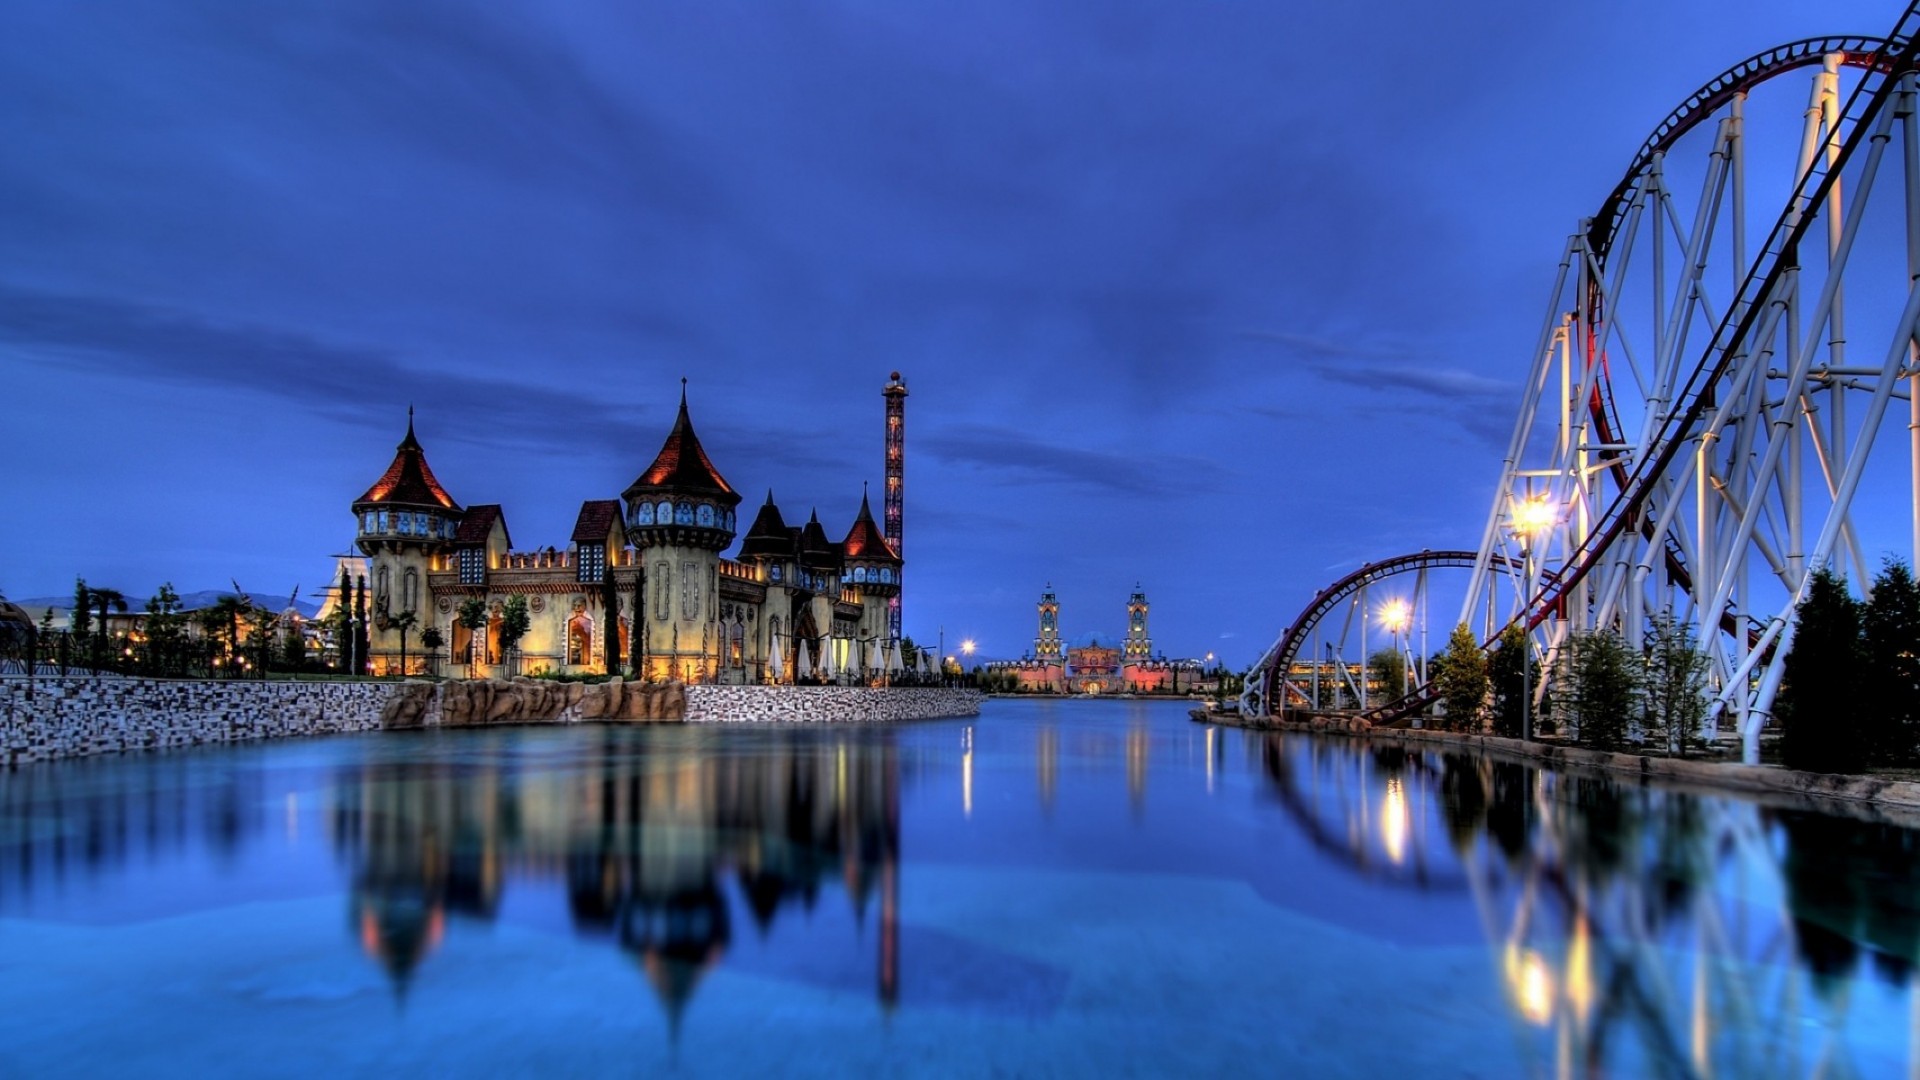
[[1631, 929], [647, 844]]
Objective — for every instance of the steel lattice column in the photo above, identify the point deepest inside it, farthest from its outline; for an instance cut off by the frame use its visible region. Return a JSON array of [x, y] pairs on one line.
[[895, 524]]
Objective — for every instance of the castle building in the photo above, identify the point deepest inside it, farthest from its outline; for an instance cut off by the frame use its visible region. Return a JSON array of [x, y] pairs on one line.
[[643, 585], [1096, 663]]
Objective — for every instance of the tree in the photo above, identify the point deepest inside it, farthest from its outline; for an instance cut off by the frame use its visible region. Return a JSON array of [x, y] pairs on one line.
[[293, 646], [263, 628], [166, 630], [1818, 701], [403, 622], [473, 616], [221, 622], [80, 620], [431, 640], [1674, 686], [1462, 679], [1602, 691], [609, 623], [1388, 670], [1510, 681], [1891, 642], [104, 600], [361, 638], [514, 624], [342, 621]]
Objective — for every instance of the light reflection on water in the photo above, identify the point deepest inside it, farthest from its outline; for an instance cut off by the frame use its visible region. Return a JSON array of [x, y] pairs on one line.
[[863, 873]]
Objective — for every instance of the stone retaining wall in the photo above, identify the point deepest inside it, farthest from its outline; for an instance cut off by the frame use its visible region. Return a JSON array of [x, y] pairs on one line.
[[75, 717], [712, 703]]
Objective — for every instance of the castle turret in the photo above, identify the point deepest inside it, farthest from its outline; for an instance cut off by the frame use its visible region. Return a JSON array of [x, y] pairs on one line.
[[406, 526], [680, 515], [1138, 646], [1046, 647], [872, 569]]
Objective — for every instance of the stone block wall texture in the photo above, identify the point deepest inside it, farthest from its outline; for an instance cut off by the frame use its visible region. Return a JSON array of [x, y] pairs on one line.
[[711, 703], [81, 716]]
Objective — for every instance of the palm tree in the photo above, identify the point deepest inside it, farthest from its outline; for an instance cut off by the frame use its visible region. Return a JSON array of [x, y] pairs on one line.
[[402, 622], [104, 599]]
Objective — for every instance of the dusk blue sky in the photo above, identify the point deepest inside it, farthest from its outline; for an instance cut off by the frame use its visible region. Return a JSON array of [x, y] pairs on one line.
[[1222, 298]]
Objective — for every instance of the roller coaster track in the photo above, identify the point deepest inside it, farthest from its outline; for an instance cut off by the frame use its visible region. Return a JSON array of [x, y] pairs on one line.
[[1643, 471]]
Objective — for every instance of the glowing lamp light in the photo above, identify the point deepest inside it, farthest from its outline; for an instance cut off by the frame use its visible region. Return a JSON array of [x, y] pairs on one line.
[[1396, 615], [1530, 983], [1393, 822], [968, 646], [1531, 517]]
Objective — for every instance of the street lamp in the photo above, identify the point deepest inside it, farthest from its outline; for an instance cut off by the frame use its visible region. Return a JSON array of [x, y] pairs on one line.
[[1532, 517], [1395, 616]]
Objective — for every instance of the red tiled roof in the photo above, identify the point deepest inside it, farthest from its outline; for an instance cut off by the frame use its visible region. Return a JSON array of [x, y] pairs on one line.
[[682, 464], [864, 541], [596, 520], [478, 522], [408, 481]]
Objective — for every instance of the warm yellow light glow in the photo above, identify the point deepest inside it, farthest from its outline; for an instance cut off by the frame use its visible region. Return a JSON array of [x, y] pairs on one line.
[[966, 773], [1530, 983], [1580, 971], [1531, 517], [1396, 615], [968, 646], [1393, 821]]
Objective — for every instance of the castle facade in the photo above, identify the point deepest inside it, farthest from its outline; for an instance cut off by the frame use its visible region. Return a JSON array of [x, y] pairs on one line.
[[643, 586]]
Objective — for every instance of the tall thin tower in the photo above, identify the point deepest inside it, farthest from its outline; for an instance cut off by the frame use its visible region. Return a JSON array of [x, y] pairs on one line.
[[896, 395]]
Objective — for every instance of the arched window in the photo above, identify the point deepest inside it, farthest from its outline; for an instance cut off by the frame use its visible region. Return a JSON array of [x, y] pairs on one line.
[[410, 590], [382, 586], [580, 640]]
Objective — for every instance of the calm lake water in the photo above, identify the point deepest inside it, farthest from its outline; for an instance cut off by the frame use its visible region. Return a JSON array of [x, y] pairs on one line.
[[1052, 888]]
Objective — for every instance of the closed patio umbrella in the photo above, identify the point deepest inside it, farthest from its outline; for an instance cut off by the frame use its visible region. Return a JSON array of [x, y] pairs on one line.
[[776, 663], [802, 667]]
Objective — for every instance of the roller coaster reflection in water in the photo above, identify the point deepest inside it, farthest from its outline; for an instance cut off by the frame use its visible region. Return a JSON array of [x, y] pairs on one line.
[[1693, 415], [1637, 931]]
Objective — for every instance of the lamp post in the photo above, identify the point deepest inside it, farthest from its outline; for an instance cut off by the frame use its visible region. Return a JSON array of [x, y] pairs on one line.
[[1395, 616], [1531, 517]]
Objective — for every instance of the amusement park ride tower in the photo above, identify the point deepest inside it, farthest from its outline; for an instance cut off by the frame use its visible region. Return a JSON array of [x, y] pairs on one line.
[[896, 394]]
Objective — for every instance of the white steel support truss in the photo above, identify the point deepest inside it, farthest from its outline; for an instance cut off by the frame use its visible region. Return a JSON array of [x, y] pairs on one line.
[[1705, 407]]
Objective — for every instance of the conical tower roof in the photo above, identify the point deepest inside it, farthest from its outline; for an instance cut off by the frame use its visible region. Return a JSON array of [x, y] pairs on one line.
[[865, 541], [816, 551], [769, 537], [408, 481], [682, 466]]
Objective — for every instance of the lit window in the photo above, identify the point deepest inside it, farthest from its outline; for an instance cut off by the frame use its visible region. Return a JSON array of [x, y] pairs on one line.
[[383, 521]]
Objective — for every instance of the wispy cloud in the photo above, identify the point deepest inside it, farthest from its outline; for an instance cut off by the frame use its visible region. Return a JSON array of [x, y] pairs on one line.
[[1019, 457]]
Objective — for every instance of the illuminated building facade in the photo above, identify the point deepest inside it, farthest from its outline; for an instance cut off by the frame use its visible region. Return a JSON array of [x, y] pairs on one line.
[[1096, 663], [643, 585]]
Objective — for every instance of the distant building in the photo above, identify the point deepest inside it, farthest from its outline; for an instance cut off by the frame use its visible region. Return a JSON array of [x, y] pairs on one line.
[[1097, 663], [641, 584]]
